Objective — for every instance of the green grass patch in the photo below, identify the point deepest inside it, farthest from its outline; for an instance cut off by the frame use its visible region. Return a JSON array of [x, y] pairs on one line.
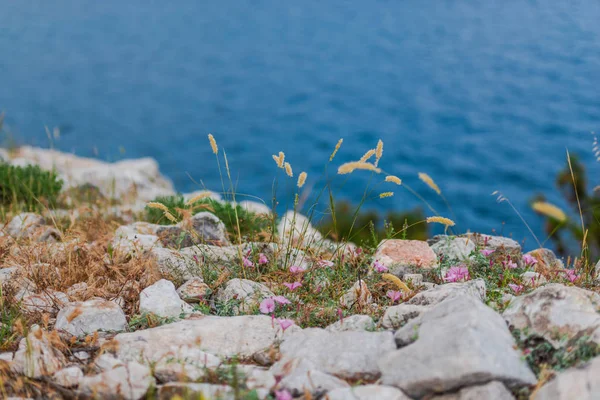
[[28, 188]]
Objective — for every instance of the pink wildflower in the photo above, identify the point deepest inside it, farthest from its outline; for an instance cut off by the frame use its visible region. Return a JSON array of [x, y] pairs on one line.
[[248, 263], [571, 275], [283, 395], [395, 295], [515, 288], [511, 265], [262, 259], [379, 267], [292, 286], [267, 306], [528, 259], [285, 323], [325, 263], [486, 252], [456, 274], [294, 269], [281, 300]]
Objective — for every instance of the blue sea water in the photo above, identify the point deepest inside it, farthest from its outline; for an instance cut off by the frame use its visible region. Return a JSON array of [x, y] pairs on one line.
[[482, 95]]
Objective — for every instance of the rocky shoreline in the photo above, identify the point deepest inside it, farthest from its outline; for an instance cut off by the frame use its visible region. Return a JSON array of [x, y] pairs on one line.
[[186, 311]]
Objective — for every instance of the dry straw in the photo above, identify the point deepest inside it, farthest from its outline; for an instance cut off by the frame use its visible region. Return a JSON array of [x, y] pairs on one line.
[[393, 179], [549, 210], [197, 197], [429, 182], [288, 170], [158, 206], [440, 220], [337, 147], [386, 194], [301, 179], [350, 167], [213, 143], [396, 281]]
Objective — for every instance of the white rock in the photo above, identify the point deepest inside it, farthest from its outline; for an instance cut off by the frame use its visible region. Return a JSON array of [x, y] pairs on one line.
[[128, 240], [193, 290], [299, 375], [579, 383], [533, 279], [353, 323], [368, 392], [7, 356], [177, 264], [68, 377], [348, 355], [130, 382], [189, 365], [255, 207], [209, 193], [460, 342], [49, 301], [36, 357], [493, 390], [453, 248], [83, 318], [415, 280], [257, 377], [241, 336], [557, 313], [105, 362], [162, 299], [244, 295], [295, 228], [358, 296], [23, 225]]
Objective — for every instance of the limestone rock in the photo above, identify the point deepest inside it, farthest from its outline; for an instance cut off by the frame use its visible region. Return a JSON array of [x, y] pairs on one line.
[[348, 355], [36, 356], [195, 391], [358, 296], [128, 240], [189, 365], [504, 248], [493, 390], [24, 224], [176, 264], [128, 381], [299, 375], [546, 260], [369, 392], [579, 383], [207, 228], [353, 323], [68, 377], [49, 301], [241, 336], [244, 295], [452, 248], [83, 318], [162, 299], [460, 342], [402, 255], [296, 229], [557, 313], [193, 290]]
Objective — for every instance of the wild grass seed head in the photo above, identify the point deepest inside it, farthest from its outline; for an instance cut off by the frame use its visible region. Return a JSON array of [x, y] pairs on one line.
[[429, 182]]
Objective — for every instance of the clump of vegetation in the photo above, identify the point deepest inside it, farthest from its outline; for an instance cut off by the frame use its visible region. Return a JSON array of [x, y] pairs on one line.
[[28, 188], [238, 221]]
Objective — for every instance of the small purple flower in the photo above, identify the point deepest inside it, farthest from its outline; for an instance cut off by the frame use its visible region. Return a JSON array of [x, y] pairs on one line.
[[515, 288], [528, 259], [457, 274], [281, 300], [571, 275], [325, 263], [379, 267], [285, 323], [292, 286], [262, 259], [511, 265], [294, 269], [283, 395], [395, 295], [248, 263], [486, 252], [267, 306]]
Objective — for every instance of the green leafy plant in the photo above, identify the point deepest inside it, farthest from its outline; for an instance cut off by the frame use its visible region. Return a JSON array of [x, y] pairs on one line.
[[30, 188]]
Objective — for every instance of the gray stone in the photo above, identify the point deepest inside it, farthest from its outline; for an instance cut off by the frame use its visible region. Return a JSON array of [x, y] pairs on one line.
[[244, 295], [205, 227], [241, 336], [492, 391], [353, 323], [162, 299], [36, 357], [348, 355], [174, 264], [557, 313], [295, 230], [49, 301], [504, 248], [414, 280], [533, 279], [83, 318], [579, 383], [368, 392], [7, 356], [24, 225], [460, 342], [397, 316], [357, 297], [452, 248], [300, 375], [189, 365], [195, 391], [194, 290], [128, 239], [68, 377], [547, 260], [128, 381]]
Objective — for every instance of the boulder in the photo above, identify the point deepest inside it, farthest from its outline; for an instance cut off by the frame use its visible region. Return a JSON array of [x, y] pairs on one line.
[[459, 342], [242, 295], [83, 318], [174, 264], [128, 381], [579, 383], [36, 355], [300, 375], [162, 299], [556, 312], [452, 248], [194, 290]]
